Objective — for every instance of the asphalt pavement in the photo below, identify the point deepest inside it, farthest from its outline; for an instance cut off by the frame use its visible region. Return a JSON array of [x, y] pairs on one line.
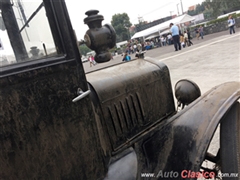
[[210, 61]]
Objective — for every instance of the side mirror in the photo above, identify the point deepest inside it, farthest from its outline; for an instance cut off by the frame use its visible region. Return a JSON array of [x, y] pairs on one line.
[[186, 91]]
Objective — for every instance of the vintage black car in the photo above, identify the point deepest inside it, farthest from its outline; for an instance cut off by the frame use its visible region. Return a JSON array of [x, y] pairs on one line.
[[117, 123]]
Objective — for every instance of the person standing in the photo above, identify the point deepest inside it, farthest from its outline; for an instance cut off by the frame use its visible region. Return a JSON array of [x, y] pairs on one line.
[[90, 59], [163, 39], [175, 35], [201, 31], [231, 24], [182, 41], [189, 38], [186, 38], [135, 47], [160, 42], [169, 39], [131, 49], [197, 33]]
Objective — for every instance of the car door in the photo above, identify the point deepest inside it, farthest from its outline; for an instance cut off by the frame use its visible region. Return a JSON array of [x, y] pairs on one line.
[[43, 134]]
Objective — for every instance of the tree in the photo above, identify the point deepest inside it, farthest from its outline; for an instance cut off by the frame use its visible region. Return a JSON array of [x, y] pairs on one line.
[[121, 24], [84, 49], [214, 8], [207, 4], [224, 6], [192, 13], [208, 13]]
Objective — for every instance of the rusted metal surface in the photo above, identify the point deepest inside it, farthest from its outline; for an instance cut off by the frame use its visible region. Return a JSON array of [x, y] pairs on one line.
[[128, 125], [180, 143], [132, 96], [43, 134], [123, 166], [186, 91]]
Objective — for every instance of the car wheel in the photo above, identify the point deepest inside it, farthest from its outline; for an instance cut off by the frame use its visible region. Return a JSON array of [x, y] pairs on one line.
[[225, 163]]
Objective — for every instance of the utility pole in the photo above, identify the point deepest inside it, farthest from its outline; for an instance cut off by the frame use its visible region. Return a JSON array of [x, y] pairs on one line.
[[181, 6], [128, 32], [140, 19], [177, 9]]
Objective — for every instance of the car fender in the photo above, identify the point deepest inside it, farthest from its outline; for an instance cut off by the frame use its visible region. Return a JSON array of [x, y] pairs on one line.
[[123, 166], [191, 130]]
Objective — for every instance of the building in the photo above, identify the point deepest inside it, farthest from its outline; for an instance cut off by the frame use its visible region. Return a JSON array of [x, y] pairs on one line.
[[192, 8]]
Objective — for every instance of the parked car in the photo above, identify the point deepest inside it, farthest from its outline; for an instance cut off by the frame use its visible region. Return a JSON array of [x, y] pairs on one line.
[[84, 60]]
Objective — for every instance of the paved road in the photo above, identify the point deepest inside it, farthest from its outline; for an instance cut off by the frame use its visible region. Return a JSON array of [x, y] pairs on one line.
[[209, 62]]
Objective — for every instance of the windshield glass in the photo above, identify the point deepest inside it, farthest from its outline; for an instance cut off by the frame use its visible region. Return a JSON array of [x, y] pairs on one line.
[[24, 32]]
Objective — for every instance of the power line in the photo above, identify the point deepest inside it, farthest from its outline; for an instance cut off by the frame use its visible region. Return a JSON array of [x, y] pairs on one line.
[[157, 9], [154, 10]]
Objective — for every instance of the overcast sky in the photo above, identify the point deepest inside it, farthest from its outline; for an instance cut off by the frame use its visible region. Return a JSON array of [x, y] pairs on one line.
[[149, 10]]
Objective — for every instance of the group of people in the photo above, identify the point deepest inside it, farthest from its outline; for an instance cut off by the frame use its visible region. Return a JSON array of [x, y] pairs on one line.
[[166, 39], [183, 39], [137, 47], [175, 36], [134, 46]]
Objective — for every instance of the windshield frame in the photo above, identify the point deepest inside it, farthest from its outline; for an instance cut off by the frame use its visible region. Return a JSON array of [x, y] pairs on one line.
[[63, 36]]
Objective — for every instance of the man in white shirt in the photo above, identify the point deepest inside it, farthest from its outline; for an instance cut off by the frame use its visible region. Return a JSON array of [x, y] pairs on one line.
[[163, 39], [175, 35], [135, 47], [169, 37]]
